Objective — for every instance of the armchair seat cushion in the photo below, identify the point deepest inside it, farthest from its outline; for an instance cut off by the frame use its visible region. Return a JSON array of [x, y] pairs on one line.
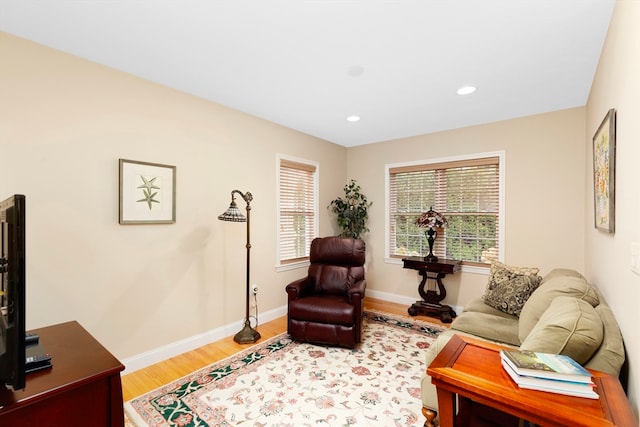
[[333, 309]]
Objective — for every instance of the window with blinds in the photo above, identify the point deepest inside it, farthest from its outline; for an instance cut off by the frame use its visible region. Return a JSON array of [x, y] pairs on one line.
[[467, 192], [297, 209]]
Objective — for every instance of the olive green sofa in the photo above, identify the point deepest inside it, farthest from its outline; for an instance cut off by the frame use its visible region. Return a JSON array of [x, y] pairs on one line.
[[563, 314]]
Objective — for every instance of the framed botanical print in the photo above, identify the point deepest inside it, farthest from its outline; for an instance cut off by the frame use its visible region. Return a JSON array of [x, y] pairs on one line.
[[147, 193], [604, 173]]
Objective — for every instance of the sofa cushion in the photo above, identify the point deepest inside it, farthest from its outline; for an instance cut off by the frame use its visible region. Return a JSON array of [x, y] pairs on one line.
[[509, 287], [569, 326], [502, 329], [559, 272], [477, 305], [549, 289]]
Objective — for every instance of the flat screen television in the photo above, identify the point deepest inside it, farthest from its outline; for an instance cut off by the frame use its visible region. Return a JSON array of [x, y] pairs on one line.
[[12, 293]]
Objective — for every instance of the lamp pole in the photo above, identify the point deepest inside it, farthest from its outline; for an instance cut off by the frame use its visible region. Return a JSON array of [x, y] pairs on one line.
[[247, 334]]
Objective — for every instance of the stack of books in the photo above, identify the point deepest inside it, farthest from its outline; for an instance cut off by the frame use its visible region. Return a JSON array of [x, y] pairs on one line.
[[554, 373]]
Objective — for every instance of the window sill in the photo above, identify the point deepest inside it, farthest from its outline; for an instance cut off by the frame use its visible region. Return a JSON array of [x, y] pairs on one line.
[[292, 266]]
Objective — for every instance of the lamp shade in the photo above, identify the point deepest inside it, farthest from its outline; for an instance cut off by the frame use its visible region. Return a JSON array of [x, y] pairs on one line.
[[232, 214], [431, 219]]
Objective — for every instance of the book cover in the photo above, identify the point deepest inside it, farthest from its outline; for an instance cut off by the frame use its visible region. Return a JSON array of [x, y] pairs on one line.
[[553, 386], [544, 365]]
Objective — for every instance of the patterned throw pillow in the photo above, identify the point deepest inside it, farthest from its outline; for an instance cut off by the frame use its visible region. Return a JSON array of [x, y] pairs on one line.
[[510, 287], [497, 266]]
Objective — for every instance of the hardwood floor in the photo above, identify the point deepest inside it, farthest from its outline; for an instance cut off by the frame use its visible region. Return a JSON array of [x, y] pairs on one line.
[[152, 377]]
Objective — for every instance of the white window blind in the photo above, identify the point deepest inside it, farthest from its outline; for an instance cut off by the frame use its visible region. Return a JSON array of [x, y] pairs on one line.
[[297, 210], [466, 192]]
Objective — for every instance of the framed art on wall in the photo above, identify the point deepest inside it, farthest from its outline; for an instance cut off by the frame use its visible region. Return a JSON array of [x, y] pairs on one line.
[[604, 168], [147, 193]]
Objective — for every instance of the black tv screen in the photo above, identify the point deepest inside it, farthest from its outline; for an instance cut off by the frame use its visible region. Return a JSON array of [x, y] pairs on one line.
[[12, 292]]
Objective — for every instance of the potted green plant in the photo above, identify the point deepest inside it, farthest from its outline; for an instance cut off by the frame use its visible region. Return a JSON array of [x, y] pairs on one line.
[[352, 211]]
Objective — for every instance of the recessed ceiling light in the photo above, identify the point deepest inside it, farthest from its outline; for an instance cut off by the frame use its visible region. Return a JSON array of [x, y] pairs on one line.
[[353, 118], [355, 70], [466, 90]]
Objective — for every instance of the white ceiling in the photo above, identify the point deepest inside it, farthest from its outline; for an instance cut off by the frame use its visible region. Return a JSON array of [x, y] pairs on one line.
[[309, 64]]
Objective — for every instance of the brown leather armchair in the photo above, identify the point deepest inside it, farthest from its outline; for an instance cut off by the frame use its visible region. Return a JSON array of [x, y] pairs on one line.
[[326, 306]]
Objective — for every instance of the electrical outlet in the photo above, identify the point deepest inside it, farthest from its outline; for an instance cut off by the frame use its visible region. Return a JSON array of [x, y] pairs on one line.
[[254, 289]]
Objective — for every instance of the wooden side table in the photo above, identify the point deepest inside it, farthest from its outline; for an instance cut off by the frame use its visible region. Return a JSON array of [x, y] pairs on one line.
[[430, 304], [472, 370]]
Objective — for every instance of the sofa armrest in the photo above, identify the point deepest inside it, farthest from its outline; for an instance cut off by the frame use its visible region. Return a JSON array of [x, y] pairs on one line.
[[428, 391]]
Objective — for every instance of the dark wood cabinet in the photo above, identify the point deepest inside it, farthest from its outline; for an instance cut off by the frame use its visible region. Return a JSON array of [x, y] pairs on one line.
[[82, 388]]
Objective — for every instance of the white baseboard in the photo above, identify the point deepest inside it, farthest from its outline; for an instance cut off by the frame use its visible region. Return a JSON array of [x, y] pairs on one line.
[[385, 296], [401, 299], [168, 351]]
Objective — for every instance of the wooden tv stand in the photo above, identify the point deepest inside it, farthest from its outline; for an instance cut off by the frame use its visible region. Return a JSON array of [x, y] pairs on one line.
[[82, 388]]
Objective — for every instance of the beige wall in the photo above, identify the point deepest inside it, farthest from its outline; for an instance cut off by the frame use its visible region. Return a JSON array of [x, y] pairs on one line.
[[545, 171], [64, 123], [617, 85]]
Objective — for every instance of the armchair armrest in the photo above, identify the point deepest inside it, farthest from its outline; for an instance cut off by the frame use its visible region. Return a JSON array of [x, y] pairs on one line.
[[299, 288], [357, 291]]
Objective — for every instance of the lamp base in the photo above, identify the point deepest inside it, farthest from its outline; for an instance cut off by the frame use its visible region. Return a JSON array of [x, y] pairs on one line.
[[431, 238], [247, 335]]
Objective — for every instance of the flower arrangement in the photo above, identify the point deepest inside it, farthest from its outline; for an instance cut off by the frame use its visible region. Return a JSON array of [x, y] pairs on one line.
[[431, 219]]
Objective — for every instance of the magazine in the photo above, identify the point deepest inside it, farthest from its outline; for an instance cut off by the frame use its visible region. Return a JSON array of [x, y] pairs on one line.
[[569, 388], [545, 365]]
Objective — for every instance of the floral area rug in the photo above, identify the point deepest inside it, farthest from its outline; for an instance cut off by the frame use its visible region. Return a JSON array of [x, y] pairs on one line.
[[280, 382]]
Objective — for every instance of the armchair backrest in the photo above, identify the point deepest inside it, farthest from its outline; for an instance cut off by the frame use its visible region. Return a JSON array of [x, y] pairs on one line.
[[337, 263]]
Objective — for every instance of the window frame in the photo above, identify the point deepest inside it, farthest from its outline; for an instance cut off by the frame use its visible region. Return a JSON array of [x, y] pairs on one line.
[[283, 265], [469, 267]]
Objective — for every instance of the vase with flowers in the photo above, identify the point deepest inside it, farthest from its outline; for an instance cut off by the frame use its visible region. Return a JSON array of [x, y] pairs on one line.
[[431, 220]]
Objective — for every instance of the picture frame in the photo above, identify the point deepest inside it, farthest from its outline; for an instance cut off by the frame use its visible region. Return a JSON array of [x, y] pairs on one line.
[[147, 193], [604, 168]]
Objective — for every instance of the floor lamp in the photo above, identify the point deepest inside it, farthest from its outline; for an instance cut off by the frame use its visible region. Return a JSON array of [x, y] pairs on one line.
[[247, 334]]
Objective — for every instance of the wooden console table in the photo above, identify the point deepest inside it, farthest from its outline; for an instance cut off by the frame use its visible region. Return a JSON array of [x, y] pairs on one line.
[[82, 388], [430, 304], [472, 369]]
